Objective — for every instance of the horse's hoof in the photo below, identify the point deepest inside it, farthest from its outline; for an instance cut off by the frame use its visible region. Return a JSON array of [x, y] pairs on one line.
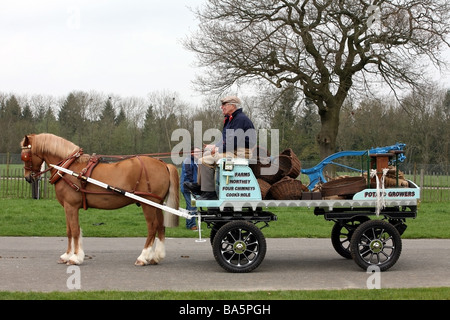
[[62, 261], [153, 262], [139, 263]]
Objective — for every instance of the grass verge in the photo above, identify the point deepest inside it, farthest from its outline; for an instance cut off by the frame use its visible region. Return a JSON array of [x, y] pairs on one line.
[[344, 294]]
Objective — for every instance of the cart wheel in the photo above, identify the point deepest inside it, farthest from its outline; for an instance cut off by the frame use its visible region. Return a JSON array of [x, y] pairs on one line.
[[215, 227], [376, 242], [212, 235], [342, 233], [239, 246]]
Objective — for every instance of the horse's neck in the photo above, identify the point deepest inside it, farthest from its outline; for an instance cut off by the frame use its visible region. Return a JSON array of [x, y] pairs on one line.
[[55, 159], [52, 159]]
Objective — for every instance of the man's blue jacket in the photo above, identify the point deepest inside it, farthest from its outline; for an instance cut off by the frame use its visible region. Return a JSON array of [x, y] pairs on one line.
[[189, 170], [238, 132]]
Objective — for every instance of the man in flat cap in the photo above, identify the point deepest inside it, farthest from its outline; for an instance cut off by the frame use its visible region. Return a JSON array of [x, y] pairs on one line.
[[238, 139]]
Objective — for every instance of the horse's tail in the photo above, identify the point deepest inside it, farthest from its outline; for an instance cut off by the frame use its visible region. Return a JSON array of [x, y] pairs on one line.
[[173, 197]]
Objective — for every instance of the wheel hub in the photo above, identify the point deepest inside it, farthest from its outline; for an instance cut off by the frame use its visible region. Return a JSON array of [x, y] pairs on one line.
[[376, 246], [239, 247]]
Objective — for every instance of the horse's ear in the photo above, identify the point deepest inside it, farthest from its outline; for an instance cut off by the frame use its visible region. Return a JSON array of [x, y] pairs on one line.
[[25, 141]]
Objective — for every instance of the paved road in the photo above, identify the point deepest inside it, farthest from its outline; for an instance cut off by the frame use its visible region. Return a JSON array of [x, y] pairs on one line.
[[29, 264]]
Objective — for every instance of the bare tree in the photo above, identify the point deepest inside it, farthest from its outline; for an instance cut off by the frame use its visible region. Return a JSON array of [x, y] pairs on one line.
[[324, 47], [431, 133], [167, 109]]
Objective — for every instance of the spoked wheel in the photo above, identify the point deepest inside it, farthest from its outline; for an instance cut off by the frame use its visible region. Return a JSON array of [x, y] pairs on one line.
[[376, 243], [239, 246], [213, 232], [342, 233]]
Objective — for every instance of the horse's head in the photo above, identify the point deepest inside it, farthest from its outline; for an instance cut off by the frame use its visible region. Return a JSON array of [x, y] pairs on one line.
[[32, 161]]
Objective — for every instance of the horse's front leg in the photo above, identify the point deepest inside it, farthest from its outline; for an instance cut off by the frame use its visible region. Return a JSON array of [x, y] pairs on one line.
[[78, 253], [64, 258], [74, 253]]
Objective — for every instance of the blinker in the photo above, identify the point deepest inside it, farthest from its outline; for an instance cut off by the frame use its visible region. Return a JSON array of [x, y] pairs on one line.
[[26, 153]]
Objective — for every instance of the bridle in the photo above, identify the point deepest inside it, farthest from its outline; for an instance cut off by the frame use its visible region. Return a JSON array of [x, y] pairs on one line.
[[27, 158]]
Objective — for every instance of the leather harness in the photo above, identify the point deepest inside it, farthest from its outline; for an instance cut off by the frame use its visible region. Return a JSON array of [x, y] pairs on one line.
[[93, 161]]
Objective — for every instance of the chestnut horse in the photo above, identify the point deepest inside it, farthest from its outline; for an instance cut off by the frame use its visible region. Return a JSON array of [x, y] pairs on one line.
[[148, 177]]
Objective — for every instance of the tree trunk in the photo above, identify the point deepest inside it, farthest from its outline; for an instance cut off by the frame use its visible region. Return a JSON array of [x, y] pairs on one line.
[[329, 118]]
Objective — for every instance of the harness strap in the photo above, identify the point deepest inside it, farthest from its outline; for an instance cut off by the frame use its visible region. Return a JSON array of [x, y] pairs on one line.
[[143, 169], [87, 171], [70, 183], [65, 164]]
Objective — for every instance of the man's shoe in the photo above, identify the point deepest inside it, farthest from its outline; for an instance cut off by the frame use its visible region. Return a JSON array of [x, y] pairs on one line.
[[208, 195], [194, 228], [192, 187]]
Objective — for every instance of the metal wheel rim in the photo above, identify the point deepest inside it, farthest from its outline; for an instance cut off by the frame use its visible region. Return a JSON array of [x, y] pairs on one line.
[[344, 237], [342, 234], [376, 246], [346, 233], [240, 247]]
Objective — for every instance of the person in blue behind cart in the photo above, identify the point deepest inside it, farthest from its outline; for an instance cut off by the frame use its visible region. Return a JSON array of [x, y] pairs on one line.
[[189, 170], [238, 140]]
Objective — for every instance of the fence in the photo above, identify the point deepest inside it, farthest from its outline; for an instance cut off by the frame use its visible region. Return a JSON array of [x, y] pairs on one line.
[[434, 186], [14, 185]]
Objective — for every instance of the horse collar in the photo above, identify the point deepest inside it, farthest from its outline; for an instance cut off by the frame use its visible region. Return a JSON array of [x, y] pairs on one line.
[[65, 164]]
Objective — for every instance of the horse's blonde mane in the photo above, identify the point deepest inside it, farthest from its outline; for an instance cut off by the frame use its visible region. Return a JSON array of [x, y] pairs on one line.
[[57, 146]]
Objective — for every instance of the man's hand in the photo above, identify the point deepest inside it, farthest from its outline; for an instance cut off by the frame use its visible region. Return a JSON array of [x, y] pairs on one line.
[[211, 148]]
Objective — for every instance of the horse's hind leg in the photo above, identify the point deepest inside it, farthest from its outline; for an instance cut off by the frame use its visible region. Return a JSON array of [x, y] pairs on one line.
[[160, 249], [154, 249], [74, 253]]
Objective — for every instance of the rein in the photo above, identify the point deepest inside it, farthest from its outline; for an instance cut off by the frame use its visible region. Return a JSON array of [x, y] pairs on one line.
[[157, 155]]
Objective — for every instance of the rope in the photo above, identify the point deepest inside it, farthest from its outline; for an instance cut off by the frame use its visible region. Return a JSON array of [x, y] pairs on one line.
[[381, 201]]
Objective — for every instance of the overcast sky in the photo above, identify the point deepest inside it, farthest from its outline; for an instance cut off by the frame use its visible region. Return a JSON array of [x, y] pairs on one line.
[[128, 48]]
